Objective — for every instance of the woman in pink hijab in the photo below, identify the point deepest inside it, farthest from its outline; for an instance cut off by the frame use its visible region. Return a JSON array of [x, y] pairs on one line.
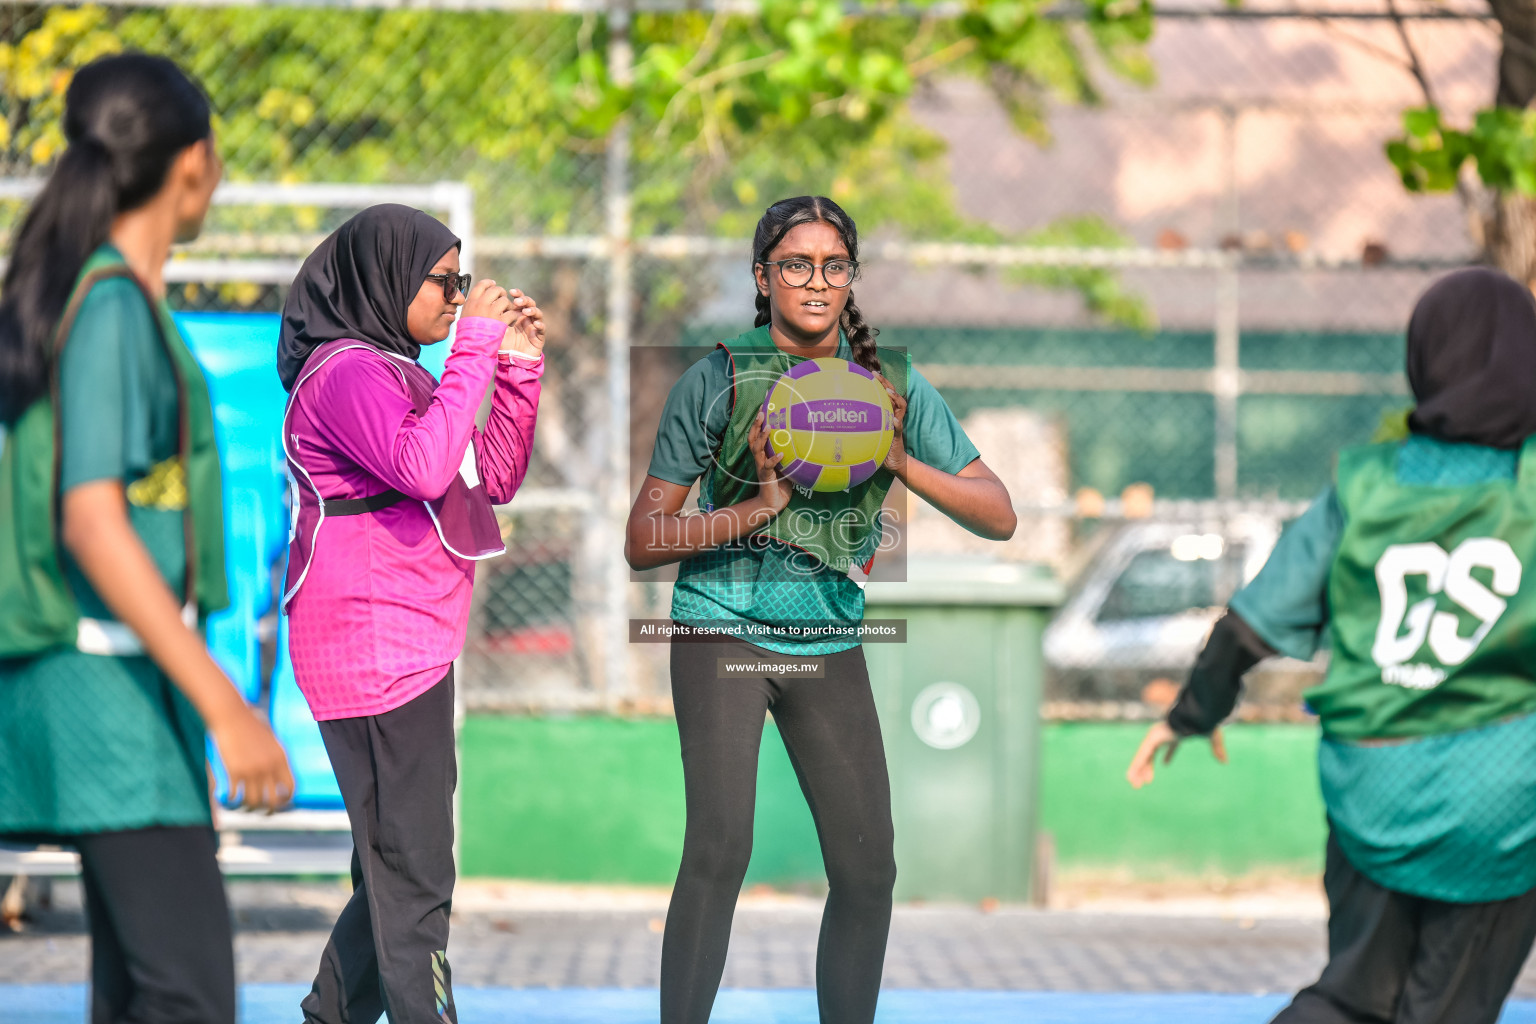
[[394, 491]]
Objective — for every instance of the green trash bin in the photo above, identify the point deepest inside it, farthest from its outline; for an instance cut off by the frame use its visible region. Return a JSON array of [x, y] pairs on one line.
[[959, 707]]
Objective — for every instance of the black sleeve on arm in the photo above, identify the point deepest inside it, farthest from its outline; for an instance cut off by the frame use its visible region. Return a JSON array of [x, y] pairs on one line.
[[1217, 678]]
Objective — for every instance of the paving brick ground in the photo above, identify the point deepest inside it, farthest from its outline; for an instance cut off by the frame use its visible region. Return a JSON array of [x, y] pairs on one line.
[[281, 929]]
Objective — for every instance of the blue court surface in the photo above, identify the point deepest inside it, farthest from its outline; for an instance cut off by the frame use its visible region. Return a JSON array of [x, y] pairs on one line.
[[276, 1004]]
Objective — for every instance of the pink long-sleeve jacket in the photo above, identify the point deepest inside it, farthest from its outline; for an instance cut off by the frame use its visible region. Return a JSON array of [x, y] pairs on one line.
[[384, 605]]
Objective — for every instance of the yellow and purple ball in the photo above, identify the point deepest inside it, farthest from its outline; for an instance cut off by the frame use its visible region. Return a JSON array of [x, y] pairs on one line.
[[832, 422]]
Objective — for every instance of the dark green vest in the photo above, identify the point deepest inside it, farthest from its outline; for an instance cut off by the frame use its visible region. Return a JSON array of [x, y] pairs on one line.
[[1433, 623], [37, 611], [840, 528]]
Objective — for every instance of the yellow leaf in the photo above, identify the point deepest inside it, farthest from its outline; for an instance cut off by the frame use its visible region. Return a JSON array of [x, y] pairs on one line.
[[269, 103], [42, 41], [43, 149]]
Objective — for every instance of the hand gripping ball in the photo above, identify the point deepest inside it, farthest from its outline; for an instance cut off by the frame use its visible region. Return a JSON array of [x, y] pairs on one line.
[[832, 422]]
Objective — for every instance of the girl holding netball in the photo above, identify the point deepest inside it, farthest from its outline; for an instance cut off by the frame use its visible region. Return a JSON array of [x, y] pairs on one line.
[[765, 560], [112, 551], [395, 490], [1414, 563]]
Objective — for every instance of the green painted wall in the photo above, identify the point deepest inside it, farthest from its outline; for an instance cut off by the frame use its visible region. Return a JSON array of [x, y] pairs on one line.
[[601, 799], [1260, 810]]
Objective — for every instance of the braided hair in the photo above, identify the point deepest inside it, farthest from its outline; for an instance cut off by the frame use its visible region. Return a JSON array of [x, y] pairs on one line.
[[778, 221]]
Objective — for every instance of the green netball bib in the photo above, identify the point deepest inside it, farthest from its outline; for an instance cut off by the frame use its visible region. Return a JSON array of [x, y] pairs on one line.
[[841, 529], [1432, 619]]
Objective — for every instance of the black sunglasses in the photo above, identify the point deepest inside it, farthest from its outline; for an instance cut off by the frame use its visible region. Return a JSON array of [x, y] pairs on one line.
[[453, 284]]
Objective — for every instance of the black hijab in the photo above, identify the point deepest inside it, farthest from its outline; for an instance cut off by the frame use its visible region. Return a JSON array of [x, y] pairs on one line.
[[359, 283], [1472, 359]]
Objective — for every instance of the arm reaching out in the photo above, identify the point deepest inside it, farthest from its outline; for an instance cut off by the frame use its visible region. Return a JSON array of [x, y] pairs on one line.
[[1161, 737], [1287, 600], [1206, 699]]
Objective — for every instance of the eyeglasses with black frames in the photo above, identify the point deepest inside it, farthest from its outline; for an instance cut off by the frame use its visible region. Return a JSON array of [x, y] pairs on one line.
[[797, 273]]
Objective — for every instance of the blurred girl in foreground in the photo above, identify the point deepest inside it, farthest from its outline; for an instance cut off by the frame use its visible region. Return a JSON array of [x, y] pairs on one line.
[[111, 551], [1413, 562]]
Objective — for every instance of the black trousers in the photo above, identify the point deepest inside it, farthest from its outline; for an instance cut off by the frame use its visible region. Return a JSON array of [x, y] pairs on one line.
[[161, 948], [831, 731], [388, 950], [1398, 959]]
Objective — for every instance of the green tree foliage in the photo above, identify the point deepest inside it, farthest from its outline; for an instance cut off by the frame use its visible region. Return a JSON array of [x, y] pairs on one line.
[[726, 111], [1500, 144]]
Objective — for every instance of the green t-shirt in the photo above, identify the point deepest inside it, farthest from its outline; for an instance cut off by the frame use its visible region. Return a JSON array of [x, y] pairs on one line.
[[1448, 817], [760, 581], [91, 743]]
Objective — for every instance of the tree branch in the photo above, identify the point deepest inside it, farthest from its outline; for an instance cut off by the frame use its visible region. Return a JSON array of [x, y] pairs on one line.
[[1464, 192], [708, 81], [1381, 53], [1415, 65], [707, 47], [949, 54]]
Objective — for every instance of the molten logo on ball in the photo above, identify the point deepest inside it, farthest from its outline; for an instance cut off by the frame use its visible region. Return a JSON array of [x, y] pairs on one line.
[[832, 411], [832, 422]]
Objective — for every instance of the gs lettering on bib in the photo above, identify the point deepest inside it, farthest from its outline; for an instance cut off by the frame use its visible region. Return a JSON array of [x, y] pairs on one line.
[[1432, 622], [1428, 625]]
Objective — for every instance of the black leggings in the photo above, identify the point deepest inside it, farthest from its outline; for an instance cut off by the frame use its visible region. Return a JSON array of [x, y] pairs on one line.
[[1399, 959], [161, 946], [832, 734], [388, 952]]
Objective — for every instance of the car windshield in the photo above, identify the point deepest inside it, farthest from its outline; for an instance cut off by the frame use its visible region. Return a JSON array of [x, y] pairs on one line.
[[1197, 572]]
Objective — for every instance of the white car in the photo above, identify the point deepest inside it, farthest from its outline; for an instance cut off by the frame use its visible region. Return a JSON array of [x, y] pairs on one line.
[[1142, 609]]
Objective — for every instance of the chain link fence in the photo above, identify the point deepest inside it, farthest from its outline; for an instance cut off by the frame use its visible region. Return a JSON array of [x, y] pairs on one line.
[[1239, 317]]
